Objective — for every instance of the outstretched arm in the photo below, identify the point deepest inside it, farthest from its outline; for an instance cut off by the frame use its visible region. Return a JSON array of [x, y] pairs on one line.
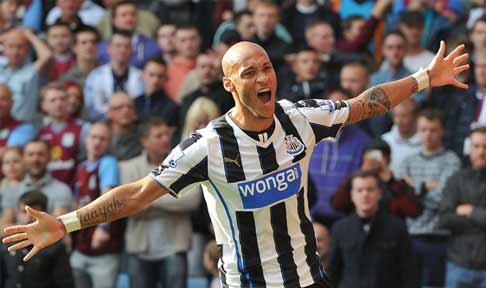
[[117, 203], [381, 98]]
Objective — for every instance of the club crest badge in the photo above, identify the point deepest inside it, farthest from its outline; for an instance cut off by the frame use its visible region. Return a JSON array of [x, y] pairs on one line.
[[294, 145]]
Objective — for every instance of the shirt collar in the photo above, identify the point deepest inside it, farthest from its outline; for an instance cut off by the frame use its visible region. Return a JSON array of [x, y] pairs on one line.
[[45, 180]]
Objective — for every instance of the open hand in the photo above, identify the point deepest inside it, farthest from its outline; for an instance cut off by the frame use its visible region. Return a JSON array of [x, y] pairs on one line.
[[45, 231], [443, 70]]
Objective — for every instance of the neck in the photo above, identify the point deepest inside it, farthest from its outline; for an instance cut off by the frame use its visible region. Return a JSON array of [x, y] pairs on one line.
[[247, 121], [58, 120], [92, 158], [118, 128], [414, 49], [155, 158], [264, 36], [86, 66], [119, 67], [149, 91], [407, 134], [36, 178], [366, 213], [385, 174], [431, 150], [394, 68]]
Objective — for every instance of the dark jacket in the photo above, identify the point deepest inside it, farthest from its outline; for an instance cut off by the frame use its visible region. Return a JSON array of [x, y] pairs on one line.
[[158, 105], [275, 48], [466, 245], [380, 258], [50, 268]]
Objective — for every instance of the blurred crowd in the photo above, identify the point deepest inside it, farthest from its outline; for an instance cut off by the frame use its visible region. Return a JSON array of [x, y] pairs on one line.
[[94, 94]]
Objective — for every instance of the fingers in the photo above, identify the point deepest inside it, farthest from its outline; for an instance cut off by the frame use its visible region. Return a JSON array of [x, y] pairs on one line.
[[32, 212], [461, 59], [442, 49], [459, 84], [15, 238], [31, 253], [20, 245], [460, 69], [15, 229], [455, 52]]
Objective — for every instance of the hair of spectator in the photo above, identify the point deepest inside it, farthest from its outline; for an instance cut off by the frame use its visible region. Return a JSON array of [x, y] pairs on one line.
[[480, 19], [432, 114], [187, 26], [478, 128], [316, 23], [15, 149], [348, 22], [86, 29], [338, 89], [239, 15], [366, 174], [304, 48], [119, 4], [201, 106], [157, 60], [147, 126], [49, 87], [34, 198], [325, 221], [59, 24], [118, 32], [358, 63], [267, 4], [412, 18], [105, 123], [395, 33], [380, 145], [38, 141]]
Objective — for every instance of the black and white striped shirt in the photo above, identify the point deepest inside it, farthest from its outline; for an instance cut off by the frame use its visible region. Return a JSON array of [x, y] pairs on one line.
[[256, 192]]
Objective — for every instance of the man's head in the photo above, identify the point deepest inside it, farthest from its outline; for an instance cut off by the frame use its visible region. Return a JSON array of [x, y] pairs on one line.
[[166, 37], [412, 26], [36, 157], [480, 71], [75, 99], [430, 128], [6, 101], [157, 137], [478, 33], [98, 140], [365, 193], [15, 47], [320, 36], [355, 77], [85, 40], [323, 238], [477, 153], [59, 38], [307, 64], [8, 10], [54, 101], [121, 109], [352, 27], [124, 15], [202, 111], [187, 41], [265, 18], [33, 199], [338, 94], [69, 8], [120, 48], [154, 75], [394, 48], [244, 24], [206, 69], [376, 156], [249, 76], [404, 117]]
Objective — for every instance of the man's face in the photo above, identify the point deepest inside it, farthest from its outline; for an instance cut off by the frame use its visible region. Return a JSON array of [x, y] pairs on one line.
[[413, 33], [480, 71], [404, 118], [365, 195], [478, 150], [188, 43], [154, 76], [8, 10], [59, 39], [206, 68], [246, 27], [306, 65], [54, 104], [323, 238], [36, 158], [394, 50], [97, 140], [120, 49], [121, 110], [69, 8], [16, 48], [165, 38], [85, 46], [478, 35], [354, 31], [354, 78], [159, 140], [255, 83], [321, 38], [126, 17], [430, 132], [265, 19], [5, 102]]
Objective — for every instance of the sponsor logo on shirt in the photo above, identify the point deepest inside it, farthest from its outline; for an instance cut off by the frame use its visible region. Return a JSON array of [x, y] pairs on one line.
[[294, 146], [271, 188]]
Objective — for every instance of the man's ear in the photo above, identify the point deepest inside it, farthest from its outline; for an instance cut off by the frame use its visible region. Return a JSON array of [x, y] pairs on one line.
[[228, 85]]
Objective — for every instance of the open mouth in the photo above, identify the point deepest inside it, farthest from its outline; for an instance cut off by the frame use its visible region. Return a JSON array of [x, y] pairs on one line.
[[265, 95]]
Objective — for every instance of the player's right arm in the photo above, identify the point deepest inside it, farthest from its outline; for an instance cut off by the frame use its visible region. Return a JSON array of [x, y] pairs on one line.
[[117, 203]]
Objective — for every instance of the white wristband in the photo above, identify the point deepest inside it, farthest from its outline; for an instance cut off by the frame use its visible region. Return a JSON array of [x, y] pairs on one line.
[[422, 78], [71, 221]]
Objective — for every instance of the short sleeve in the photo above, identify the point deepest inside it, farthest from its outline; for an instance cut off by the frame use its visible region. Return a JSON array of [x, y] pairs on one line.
[[185, 167], [109, 173], [325, 117]]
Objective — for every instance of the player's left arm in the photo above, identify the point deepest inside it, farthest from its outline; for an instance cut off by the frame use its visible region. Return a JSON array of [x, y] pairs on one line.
[[381, 98]]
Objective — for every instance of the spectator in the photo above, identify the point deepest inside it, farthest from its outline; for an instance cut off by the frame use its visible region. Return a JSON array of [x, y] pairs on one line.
[[159, 237], [125, 19], [64, 136], [84, 49], [13, 169], [266, 17], [21, 75], [51, 268], [118, 75], [412, 26], [75, 100], [75, 13], [370, 248], [59, 39], [402, 138], [462, 211], [125, 142], [8, 13], [427, 171], [12, 131], [244, 25], [355, 78], [201, 111], [333, 161], [323, 237], [96, 256], [478, 37], [147, 22], [187, 42], [211, 258], [36, 157], [296, 17], [154, 102], [166, 41], [398, 197]]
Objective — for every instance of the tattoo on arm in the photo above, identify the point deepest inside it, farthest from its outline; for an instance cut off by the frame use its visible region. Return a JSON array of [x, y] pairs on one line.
[[100, 214], [372, 102]]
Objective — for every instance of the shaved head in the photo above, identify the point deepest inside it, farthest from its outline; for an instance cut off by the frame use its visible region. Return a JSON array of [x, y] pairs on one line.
[[237, 54]]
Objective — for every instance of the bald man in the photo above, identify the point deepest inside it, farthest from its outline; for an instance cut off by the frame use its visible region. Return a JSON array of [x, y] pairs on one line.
[[252, 164]]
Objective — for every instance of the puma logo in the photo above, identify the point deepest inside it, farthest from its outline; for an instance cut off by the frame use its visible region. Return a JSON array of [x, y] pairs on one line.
[[235, 161]]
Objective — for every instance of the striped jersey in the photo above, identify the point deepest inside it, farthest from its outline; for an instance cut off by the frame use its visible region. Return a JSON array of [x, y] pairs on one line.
[[256, 191]]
